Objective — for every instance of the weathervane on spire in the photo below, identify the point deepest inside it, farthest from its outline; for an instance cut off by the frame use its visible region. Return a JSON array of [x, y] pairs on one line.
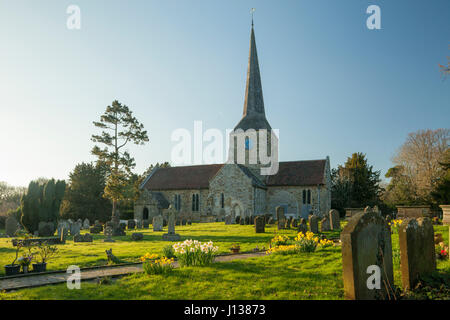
[[252, 11]]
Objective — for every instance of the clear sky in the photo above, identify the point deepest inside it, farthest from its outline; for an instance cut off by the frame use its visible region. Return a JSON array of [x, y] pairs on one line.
[[331, 86]]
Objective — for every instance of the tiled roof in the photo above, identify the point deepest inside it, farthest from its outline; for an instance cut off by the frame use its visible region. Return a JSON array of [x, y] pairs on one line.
[[291, 173], [178, 178], [299, 173]]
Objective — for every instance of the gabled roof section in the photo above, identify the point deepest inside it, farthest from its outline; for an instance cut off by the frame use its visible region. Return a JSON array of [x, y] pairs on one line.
[[179, 178], [299, 173], [255, 180]]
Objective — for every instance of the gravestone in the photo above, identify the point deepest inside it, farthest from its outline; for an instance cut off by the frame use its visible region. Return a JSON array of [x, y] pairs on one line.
[[177, 222], [139, 224], [325, 226], [247, 220], [238, 219], [86, 224], [158, 223], [189, 222], [252, 219], [417, 256], [83, 238], [260, 224], [131, 224], [63, 229], [164, 224], [294, 223], [11, 226], [228, 219], [137, 236], [183, 222], [334, 219], [46, 229], [145, 224], [314, 224], [242, 221], [302, 226], [367, 257], [171, 235], [281, 220], [75, 228], [271, 221], [108, 232]]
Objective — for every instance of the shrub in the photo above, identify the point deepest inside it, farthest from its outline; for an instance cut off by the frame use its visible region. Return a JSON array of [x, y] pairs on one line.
[[195, 253], [169, 252]]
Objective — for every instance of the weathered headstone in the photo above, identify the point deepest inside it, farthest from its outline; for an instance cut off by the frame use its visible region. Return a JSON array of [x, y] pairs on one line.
[[252, 219], [139, 224], [242, 221], [228, 219], [247, 220], [313, 223], [171, 235], [86, 224], [281, 220], [334, 219], [75, 228], [417, 252], [131, 224], [11, 226], [325, 225], [145, 224], [63, 229], [260, 224], [288, 224], [294, 223], [158, 223], [302, 226], [238, 219], [108, 232], [183, 222], [367, 257]]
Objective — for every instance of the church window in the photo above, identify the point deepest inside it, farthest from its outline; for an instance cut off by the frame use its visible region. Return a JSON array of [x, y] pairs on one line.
[[304, 196], [195, 202], [177, 202], [309, 196]]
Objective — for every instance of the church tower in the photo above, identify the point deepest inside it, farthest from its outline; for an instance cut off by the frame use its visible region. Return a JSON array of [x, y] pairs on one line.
[[245, 140]]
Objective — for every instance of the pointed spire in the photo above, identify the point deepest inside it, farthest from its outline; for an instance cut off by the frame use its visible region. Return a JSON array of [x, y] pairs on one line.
[[254, 114]]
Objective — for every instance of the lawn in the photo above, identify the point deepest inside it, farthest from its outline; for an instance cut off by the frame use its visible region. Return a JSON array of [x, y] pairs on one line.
[[315, 275]]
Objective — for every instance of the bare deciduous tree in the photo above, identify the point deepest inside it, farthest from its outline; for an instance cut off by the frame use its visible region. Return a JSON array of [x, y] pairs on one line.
[[420, 156]]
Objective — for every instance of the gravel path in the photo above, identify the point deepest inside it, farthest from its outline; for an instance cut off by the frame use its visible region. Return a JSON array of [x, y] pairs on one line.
[[29, 281]]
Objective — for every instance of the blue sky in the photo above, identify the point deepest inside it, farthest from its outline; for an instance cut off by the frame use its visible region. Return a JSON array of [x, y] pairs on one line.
[[331, 86]]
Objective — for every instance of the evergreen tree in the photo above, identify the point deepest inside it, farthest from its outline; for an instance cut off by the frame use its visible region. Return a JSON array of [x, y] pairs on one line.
[[119, 128]]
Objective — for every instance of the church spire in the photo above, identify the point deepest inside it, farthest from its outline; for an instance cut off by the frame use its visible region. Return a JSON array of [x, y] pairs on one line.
[[254, 116]]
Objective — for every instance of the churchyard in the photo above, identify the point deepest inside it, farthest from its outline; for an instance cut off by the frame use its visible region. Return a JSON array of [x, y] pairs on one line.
[[292, 275]]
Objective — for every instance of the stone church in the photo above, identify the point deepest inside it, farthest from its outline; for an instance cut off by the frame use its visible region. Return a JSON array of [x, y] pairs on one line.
[[206, 193]]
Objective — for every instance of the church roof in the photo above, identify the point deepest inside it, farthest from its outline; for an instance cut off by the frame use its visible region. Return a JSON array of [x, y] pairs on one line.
[[299, 173], [254, 116], [178, 178], [291, 173]]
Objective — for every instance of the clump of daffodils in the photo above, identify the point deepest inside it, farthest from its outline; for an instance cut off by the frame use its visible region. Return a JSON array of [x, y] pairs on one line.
[[279, 240], [149, 256], [158, 266], [287, 249], [326, 243], [307, 242], [394, 224], [195, 253]]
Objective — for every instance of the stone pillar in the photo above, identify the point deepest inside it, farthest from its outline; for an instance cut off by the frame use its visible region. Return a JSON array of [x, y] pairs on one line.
[[445, 214], [417, 253], [367, 258]]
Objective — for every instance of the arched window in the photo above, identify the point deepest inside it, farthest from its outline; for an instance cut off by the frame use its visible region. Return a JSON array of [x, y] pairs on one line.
[[304, 196], [309, 196], [222, 200], [195, 202]]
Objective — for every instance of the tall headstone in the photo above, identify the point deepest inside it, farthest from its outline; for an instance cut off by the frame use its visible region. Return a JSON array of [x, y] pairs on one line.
[[417, 253], [325, 225], [109, 230], [171, 235], [288, 223], [367, 257], [294, 223], [47, 229], [86, 224], [158, 223], [228, 219], [139, 224], [313, 223], [281, 219], [131, 224], [145, 224], [334, 219], [11, 226], [75, 228], [238, 220], [260, 224]]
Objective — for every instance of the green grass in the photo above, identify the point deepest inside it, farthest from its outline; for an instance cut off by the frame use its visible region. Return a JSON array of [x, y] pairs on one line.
[[315, 275]]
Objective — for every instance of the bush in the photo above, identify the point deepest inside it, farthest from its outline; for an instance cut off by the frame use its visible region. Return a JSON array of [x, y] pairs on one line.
[[169, 252], [195, 253]]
